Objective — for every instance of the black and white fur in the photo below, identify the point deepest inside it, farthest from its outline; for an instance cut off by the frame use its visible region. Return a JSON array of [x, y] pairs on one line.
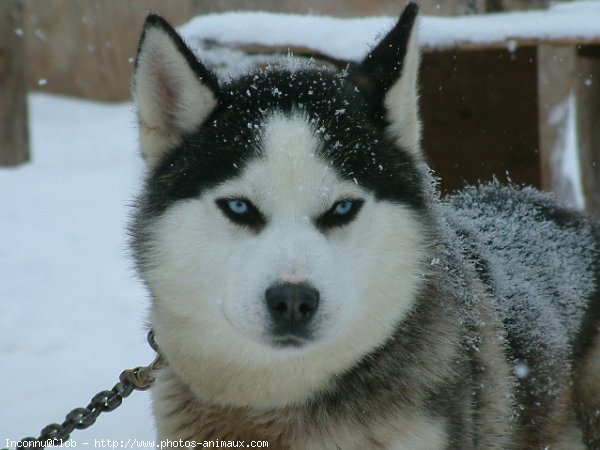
[[414, 330]]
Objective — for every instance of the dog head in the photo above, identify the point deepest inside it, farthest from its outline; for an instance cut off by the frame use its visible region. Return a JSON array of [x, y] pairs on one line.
[[281, 230]]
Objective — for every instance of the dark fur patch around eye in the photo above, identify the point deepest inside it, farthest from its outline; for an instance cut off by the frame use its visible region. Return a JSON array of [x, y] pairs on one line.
[[251, 217], [333, 219]]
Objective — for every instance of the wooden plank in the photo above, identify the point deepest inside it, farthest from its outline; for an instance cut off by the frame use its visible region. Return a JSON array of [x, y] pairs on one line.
[[587, 88], [509, 44], [517, 42], [471, 32], [14, 141], [505, 44]]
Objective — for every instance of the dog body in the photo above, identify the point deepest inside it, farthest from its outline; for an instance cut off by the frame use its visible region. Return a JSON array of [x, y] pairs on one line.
[[311, 289]]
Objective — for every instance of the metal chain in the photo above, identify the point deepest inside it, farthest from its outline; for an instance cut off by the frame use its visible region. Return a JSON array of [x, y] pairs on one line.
[[138, 379]]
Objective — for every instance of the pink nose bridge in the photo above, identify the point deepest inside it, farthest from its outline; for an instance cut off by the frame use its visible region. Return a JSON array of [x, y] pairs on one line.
[[293, 279]]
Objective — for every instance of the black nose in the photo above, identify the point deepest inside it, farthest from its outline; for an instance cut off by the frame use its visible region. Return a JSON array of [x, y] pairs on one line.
[[292, 306]]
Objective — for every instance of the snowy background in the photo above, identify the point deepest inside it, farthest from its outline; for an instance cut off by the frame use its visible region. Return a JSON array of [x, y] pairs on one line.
[[71, 309]]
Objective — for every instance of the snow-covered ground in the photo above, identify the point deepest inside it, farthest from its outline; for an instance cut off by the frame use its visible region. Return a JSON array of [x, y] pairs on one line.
[[71, 309]]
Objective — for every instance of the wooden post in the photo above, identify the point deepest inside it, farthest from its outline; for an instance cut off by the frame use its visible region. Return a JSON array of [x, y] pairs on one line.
[[569, 87], [587, 91], [14, 140], [556, 68]]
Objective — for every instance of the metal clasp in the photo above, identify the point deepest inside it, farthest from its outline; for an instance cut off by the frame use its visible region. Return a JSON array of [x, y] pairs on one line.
[[143, 377]]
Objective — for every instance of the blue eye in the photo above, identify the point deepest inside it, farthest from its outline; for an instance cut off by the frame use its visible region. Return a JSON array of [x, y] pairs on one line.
[[340, 214], [238, 206], [242, 212], [343, 208]]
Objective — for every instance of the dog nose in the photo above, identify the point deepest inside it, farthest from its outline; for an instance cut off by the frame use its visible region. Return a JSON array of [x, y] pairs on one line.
[[292, 306]]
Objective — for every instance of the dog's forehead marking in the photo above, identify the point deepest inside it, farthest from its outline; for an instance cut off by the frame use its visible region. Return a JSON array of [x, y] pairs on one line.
[[288, 138], [290, 169], [290, 148]]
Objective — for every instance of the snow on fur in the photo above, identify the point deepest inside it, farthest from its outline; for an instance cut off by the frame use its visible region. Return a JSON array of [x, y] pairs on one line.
[[538, 261]]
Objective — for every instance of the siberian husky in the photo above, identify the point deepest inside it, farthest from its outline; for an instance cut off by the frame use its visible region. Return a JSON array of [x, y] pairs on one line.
[[310, 288]]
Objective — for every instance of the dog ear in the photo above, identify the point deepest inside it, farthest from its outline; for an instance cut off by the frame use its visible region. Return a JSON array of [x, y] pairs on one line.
[[390, 73], [174, 93]]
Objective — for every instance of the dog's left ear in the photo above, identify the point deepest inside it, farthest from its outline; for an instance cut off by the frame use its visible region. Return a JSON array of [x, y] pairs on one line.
[[173, 91], [389, 72]]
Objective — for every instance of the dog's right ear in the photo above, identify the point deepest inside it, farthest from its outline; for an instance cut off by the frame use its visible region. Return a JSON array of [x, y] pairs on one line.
[[174, 93], [389, 75]]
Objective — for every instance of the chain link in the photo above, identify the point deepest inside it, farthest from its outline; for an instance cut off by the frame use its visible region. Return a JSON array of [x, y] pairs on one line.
[[136, 379]]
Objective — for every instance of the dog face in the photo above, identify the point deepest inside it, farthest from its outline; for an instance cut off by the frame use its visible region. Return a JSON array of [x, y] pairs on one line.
[[282, 225]]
